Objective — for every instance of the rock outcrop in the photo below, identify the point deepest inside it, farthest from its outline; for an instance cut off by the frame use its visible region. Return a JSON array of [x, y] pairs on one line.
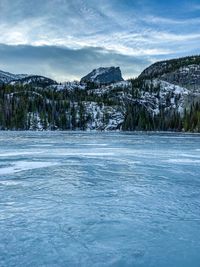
[[104, 76]]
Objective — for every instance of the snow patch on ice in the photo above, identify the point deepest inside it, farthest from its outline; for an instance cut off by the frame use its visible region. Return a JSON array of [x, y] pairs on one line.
[[183, 161], [24, 166]]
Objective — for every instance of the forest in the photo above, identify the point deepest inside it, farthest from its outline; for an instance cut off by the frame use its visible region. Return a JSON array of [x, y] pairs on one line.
[[35, 108]]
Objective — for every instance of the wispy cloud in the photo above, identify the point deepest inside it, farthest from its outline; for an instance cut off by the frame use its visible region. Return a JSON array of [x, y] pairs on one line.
[[171, 21], [125, 28]]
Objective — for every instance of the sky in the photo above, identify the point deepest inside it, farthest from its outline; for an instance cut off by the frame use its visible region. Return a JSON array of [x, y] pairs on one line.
[[66, 39]]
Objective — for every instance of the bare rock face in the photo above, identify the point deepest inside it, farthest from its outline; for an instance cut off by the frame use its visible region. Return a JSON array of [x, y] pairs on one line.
[[188, 77], [184, 72], [104, 76]]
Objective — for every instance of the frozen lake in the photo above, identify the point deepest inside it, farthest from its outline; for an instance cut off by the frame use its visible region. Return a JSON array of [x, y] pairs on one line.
[[99, 199]]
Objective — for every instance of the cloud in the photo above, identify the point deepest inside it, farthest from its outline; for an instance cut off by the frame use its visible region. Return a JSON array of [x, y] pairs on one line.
[[132, 43], [111, 31], [171, 21], [66, 64]]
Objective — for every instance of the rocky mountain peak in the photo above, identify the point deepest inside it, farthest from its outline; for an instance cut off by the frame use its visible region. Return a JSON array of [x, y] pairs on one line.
[[104, 75]]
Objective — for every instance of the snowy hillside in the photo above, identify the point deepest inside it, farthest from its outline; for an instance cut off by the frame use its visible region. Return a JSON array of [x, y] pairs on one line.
[[24, 79], [6, 77], [166, 96], [34, 80]]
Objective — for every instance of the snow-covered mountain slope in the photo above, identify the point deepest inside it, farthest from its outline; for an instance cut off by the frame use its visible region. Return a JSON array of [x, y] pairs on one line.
[[25, 79], [104, 75], [168, 66], [6, 77], [69, 86], [171, 85], [34, 80], [186, 76], [184, 72], [166, 96], [103, 117]]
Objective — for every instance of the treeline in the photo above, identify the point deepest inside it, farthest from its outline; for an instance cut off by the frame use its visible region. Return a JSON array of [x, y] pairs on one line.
[[138, 118], [30, 108], [26, 107]]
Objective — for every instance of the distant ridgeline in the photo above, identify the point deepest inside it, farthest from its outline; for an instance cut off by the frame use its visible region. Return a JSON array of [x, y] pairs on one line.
[[165, 97]]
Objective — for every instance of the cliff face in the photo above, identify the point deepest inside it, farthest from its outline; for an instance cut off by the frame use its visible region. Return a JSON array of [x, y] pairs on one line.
[[166, 66], [184, 72], [104, 76], [186, 76]]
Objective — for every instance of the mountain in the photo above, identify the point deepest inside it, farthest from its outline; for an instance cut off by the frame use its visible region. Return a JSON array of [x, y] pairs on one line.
[[24, 79], [183, 71], [6, 77], [34, 80], [165, 96], [104, 76], [167, 66]]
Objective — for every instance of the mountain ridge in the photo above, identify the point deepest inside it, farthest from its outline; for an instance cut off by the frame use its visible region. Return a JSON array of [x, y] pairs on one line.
[[165, 96], [10, 78], [6, 77]]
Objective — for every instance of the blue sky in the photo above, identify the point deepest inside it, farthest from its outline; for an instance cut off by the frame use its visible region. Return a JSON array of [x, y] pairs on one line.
[[65, 39]]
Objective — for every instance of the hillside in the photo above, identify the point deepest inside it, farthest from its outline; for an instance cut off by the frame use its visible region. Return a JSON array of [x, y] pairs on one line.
[[168, 66], [6, 77], [24, 79], [165, 96]]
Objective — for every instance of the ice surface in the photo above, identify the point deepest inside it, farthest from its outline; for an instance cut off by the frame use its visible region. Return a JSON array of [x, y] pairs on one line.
[[24, 166], [99, 199]]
